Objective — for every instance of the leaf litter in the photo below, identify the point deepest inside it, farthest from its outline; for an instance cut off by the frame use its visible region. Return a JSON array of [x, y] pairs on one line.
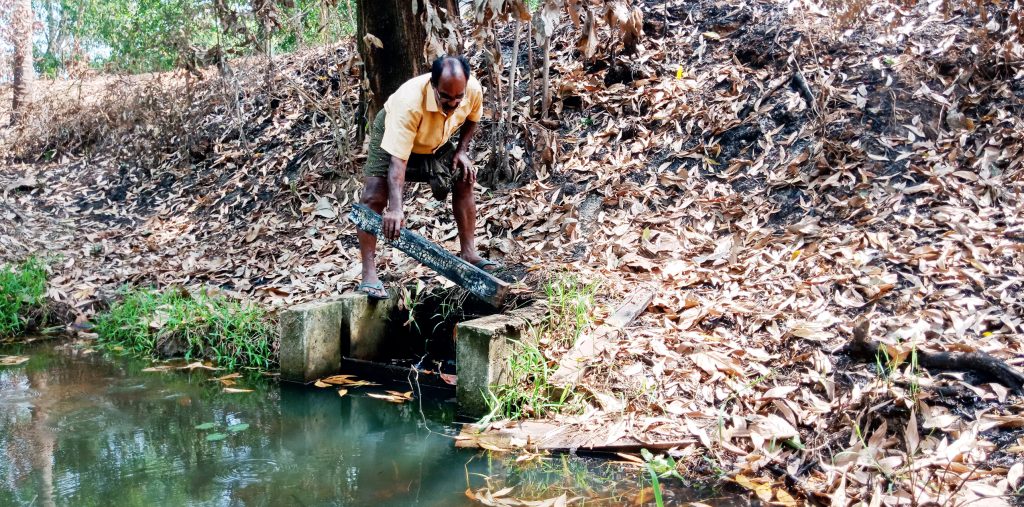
[[771, 176]]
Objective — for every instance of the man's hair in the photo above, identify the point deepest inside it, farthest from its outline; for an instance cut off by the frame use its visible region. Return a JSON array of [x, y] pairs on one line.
[[447, 62]]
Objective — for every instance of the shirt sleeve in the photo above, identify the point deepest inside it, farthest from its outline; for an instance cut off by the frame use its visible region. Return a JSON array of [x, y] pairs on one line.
[[400, 126], [477, 104]]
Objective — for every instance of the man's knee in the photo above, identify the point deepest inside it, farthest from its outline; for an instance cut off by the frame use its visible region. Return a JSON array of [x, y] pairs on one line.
[[462, 187], [375, 193]]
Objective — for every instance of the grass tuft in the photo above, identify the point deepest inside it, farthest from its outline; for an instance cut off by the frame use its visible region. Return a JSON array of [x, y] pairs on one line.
[[527, 392], [22, 288], [571, 307], [198, 325]]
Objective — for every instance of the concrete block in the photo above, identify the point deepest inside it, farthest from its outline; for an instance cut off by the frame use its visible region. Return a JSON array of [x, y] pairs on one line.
[[482, 349], [367, 326], [310, 340]]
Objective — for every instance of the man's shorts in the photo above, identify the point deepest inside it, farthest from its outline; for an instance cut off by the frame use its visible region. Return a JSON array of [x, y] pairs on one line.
[[435, 168]]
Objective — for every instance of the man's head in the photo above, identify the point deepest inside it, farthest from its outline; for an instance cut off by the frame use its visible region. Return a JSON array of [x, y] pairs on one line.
[[449, 75]]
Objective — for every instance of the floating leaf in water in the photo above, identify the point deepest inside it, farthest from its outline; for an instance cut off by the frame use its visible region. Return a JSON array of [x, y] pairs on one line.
[[342, 392], [235, 428], [338, 379], [761, 487], [394, 396], [359, 383], [206, 426], [13, 360], [197, 364], [783, 497], [236, 390], [164, 367], [346, 380], [227, 379], [213, 437]]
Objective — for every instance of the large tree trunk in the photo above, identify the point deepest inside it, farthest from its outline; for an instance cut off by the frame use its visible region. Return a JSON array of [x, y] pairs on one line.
[[23, 73], [391, 39]]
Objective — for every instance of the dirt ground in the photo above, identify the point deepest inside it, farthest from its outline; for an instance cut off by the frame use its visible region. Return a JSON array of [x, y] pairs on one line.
[[774, 172]]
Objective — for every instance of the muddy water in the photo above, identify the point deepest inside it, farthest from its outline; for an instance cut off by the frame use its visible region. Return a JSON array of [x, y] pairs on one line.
[[88, 429]]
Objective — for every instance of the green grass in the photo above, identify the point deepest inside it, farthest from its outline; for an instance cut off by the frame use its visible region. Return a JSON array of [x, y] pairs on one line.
[[527, 392], [198, 325], [22, 288], [570, 307]]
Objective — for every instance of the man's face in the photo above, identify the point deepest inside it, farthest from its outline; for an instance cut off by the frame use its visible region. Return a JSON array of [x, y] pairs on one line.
[[449, 92]]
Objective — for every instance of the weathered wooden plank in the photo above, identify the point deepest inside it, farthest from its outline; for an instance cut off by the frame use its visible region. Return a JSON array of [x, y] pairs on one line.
[[542, 435], [572, 364], [475, 280]]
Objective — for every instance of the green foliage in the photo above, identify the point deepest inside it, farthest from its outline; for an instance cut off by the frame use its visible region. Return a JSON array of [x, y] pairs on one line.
[[660, 467], [527, 393], [199, 325], [155, 35], [570, 307], [22, 287], [656, 486]]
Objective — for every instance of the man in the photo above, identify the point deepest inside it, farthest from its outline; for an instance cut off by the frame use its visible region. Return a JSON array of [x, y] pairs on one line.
[[410, 141]]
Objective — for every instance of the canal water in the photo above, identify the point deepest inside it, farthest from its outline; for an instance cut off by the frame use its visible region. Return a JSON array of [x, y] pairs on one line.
[[79, 427]]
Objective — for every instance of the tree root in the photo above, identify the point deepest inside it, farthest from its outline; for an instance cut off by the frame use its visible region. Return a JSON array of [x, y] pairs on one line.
[[978, 362]]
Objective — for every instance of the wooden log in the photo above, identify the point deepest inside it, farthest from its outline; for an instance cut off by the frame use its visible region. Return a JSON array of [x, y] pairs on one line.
[[550, 436], [478, 282]]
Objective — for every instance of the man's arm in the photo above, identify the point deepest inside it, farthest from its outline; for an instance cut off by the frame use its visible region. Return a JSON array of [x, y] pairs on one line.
[[393, 214], [461, 156], [468, 130]]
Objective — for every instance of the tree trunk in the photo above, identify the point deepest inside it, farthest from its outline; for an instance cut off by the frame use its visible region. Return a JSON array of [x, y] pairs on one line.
[[23, 73], [391, 37]]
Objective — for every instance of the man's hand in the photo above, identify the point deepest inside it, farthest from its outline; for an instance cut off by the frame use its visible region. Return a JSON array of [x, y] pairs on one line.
[[462, 162], [393, 219]]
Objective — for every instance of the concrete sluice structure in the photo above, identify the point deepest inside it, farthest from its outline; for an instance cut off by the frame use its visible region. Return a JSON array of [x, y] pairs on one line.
[[318, 337]]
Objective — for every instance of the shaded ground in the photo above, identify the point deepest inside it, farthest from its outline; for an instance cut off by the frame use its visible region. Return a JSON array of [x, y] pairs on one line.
[[767, 220]]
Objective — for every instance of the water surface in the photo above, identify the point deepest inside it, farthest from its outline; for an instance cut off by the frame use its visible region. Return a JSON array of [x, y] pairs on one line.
[[81, 428]]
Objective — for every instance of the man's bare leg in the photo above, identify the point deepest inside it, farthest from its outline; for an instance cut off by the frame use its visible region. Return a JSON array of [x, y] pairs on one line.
[[464, 209], [375, 196]]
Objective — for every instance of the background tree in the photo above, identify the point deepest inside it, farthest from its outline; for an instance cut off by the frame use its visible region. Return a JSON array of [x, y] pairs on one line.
[[397, 39], [23, 73]]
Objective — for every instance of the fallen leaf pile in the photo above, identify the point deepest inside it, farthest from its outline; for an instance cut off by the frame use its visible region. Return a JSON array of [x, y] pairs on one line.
[[772, 175]]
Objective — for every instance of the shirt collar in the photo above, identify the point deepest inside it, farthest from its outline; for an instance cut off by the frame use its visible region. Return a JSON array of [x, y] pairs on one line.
[[431, 101]]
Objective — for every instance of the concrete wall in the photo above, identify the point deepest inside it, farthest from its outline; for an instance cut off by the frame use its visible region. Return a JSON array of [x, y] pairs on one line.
[[482, 350], [310, 340], [315, 336]]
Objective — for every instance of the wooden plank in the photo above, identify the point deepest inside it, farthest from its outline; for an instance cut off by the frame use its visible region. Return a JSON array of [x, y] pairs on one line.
[[630, 309], [542, 435], [475, 280], [573, 363]]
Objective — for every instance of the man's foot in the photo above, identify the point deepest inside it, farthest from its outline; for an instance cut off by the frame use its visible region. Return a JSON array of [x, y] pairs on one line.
[[482, 263], [373, 290]]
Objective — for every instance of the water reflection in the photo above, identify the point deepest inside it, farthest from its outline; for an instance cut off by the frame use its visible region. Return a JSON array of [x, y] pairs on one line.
[[88, 430]]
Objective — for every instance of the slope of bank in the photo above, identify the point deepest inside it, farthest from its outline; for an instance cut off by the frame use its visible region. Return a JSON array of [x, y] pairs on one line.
[[771, 176]]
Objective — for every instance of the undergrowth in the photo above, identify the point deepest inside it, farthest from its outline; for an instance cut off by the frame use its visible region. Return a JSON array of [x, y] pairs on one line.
[[527, 391], [570, 307], [197, 325], [22, 288]]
